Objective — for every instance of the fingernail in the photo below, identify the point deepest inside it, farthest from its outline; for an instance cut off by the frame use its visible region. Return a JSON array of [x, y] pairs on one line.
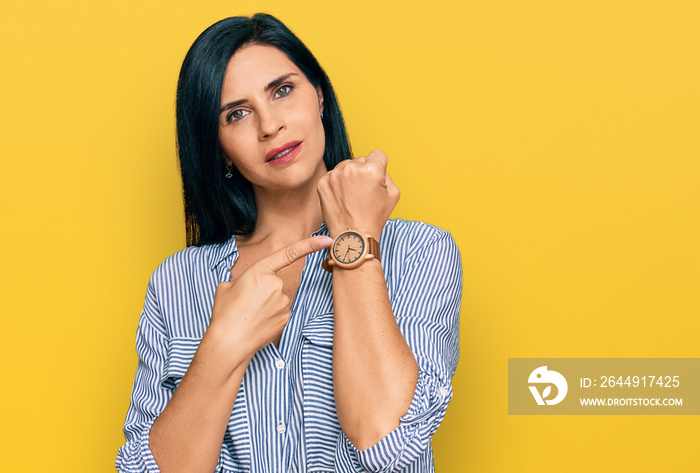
[[325, 241]]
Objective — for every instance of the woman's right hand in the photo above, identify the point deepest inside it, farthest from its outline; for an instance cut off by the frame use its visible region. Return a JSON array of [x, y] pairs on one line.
[[250, 312]]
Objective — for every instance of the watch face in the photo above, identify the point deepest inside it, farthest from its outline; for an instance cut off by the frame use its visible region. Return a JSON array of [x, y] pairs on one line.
[[348, 247]]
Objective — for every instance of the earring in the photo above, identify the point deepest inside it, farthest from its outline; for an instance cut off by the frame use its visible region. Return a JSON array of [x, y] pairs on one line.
[[321, 115], [228, 174]]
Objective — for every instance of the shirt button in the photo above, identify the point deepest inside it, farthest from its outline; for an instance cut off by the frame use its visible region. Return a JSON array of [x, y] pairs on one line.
[[443, 391], [281, 428], [279, 363]]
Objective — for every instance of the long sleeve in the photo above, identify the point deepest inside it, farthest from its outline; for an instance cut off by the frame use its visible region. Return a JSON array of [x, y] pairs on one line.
[[426, 300], [162, 362], [148, 396], [175, 315]]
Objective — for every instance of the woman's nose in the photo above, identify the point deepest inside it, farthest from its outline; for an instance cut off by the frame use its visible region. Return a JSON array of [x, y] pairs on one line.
[[271, 122]]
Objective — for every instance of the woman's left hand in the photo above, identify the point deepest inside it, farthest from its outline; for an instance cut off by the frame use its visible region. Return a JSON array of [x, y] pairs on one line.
[[358, 194]]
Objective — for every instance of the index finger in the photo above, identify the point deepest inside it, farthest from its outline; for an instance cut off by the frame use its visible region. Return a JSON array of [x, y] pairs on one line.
[[291, 253]]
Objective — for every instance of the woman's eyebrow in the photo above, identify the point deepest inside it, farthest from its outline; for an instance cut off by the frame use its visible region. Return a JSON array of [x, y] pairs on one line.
[[279, 80], [231, 105], [269, 86]]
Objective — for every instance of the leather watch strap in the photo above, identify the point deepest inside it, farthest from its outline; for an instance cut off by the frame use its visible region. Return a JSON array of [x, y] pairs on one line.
[[373, 247]]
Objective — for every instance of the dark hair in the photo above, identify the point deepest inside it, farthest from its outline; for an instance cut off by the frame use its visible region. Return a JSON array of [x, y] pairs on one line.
[[215, 207]]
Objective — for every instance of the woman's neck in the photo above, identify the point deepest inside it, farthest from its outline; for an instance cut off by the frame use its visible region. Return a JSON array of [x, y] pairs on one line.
[[286, 217]]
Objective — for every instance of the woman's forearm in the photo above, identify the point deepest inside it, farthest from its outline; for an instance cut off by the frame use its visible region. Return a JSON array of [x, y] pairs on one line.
[[188, 434], [374, 370]]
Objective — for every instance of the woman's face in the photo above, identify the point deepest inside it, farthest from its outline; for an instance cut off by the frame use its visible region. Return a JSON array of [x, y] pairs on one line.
[[270, 120]]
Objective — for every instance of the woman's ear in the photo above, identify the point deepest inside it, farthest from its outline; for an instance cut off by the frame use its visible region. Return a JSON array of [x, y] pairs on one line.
[[319, 92], [228, 161]]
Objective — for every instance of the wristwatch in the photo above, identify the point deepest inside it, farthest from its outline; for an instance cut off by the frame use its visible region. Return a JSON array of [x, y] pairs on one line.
[[350, 249]]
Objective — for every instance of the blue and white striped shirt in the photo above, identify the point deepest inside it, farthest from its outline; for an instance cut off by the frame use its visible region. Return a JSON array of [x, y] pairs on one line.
[[284, 417]]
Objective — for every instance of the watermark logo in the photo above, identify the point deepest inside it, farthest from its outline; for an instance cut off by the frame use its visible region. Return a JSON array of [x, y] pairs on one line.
[[542, 375], [603, 386]]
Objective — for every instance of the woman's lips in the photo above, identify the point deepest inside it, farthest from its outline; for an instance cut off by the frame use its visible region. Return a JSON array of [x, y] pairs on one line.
[[283, 154]]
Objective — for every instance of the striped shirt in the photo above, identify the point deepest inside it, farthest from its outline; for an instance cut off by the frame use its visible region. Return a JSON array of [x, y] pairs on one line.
[[284, 417]]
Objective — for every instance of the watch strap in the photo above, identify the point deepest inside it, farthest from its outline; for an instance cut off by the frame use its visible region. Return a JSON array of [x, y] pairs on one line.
[[373, 247]]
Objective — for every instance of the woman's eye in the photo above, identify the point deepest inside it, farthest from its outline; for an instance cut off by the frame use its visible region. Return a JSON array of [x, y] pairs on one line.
[[284, 90], [236, 115]]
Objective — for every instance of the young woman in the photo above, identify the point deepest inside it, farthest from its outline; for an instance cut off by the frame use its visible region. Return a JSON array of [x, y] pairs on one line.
[[301, 330]]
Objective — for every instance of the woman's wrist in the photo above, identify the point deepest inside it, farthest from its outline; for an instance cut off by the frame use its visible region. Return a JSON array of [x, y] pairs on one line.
[[364, 228], [223, 347]]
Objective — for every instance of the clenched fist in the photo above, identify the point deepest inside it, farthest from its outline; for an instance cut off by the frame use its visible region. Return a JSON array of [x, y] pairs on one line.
[[358, 194]]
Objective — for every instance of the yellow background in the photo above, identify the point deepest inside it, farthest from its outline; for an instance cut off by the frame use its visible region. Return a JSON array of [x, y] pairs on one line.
[[557, 141]]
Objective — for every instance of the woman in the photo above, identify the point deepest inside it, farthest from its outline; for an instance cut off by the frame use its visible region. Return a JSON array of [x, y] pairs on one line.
[[254, 357]]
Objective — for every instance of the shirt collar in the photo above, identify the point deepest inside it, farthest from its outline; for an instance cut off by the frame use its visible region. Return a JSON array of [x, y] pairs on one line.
[[323, 230], [220, 251]]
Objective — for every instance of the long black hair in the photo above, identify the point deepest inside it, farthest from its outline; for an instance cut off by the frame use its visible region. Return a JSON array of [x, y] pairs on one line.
[[215, 207]]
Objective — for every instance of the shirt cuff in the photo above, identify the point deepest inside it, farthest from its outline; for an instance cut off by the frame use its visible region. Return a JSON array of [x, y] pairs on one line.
[[411, 438], [136, 456]]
